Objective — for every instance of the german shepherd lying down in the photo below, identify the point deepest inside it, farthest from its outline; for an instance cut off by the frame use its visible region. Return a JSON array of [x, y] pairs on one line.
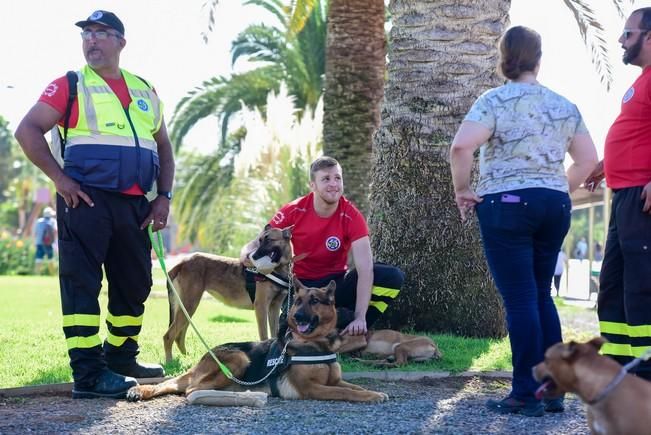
[[312, 330]]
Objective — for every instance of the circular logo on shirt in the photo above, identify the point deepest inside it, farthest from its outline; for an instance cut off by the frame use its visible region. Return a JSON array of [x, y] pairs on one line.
[[50, 90], [278, 218], [143, 105], [333, 243], [628, 95]]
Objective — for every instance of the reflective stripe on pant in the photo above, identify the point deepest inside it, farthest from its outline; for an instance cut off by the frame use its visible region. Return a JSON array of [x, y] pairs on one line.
[[387, 282], [625, 281], [107, 234]]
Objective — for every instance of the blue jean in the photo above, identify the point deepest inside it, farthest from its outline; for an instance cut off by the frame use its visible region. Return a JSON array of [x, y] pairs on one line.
[[522, 231]]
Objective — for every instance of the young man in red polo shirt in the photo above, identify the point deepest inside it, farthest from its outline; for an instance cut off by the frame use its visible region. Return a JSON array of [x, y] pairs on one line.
[[624, 304], [326, 226]]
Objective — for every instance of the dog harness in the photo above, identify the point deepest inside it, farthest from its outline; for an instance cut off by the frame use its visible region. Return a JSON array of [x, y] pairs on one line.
[[251, 276], [282, 363]]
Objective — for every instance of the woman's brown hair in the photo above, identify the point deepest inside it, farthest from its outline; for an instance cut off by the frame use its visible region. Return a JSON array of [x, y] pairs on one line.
[[520, 51]]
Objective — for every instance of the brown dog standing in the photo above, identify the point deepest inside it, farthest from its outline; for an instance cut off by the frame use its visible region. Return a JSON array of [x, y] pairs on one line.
[[312, 323], [614, 406], [223, 278]]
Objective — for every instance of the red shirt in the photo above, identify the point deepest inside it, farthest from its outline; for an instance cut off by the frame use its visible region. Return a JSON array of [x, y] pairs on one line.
[[627, 152], [56, 96], [325, 240]]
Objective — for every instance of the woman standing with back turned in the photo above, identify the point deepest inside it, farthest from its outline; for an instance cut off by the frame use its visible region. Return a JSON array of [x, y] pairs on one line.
[[522, 201]]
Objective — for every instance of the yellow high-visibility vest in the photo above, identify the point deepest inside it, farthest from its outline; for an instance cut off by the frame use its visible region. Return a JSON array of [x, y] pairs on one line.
[[112, 148]]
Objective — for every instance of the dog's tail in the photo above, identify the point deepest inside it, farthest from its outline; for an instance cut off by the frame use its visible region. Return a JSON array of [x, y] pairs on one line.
[[170, 293]]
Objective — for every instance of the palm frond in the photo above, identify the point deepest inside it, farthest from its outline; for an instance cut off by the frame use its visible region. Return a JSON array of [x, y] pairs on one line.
[[259, 43], [301, 11], [619, 5], [592, 33], [211, 5], [223, 97], [276, 7]]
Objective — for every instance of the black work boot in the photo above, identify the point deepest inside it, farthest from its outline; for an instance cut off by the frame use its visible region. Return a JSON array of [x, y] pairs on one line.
[[108, 384], [137, 370]]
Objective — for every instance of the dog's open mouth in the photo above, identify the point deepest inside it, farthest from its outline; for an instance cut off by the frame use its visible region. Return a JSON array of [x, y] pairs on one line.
[[305, 328], [547, 386], [274, 255]]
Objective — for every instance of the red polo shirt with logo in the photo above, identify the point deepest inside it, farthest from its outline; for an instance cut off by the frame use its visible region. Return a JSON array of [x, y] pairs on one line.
[[627, 152], [326, 241]]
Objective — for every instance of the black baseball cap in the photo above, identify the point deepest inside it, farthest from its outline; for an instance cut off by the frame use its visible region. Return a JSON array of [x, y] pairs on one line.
[[106, 18]]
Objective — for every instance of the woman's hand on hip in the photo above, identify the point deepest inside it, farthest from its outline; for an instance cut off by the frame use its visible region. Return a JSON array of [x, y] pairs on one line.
[[466, 200]]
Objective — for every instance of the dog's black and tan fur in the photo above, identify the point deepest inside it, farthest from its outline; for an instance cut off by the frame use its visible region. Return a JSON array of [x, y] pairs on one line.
[[223, 278], [312, 323]]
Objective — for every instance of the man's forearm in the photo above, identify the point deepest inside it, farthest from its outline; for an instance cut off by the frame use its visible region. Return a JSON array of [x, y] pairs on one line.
[[364, 284], [165, 180]]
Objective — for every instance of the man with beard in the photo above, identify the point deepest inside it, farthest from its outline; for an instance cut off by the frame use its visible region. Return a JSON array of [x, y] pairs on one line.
[[115, 148], [326, 226], [625, 280]]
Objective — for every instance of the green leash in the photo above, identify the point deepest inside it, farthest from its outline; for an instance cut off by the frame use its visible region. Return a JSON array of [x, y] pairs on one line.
[[157, 244]]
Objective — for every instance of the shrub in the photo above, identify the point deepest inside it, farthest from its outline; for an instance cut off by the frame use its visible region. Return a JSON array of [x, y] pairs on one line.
[[16, 255]]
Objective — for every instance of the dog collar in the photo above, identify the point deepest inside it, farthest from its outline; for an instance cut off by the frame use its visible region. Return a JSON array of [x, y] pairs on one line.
[[620, 377], [610, 387]]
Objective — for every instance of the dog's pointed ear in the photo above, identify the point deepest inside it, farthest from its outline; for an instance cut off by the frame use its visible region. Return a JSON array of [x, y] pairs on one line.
[[330, 289], [267, 227], [287, 232], [297, 283], [597, 342]]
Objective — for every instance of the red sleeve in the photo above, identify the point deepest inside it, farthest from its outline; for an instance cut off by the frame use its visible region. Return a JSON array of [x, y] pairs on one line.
[[283, 217], [357, 227], [56, 96]]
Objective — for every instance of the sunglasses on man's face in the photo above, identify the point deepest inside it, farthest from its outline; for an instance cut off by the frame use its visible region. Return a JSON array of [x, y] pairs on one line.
[[628, 32]]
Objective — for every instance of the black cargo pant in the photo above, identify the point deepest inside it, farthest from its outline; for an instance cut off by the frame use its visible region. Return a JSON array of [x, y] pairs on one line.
[[624, 303], [387, 282], [108, 235]]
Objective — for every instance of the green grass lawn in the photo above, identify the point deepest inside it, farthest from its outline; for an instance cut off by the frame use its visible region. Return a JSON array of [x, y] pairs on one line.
[[34, 352]]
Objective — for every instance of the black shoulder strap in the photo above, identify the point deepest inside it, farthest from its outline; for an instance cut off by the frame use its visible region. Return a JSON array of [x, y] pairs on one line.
[[144, 81], [72, 94]]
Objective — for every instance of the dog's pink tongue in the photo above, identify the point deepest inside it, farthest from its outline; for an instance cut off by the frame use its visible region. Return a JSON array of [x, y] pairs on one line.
[[302, 327], [541, 390]]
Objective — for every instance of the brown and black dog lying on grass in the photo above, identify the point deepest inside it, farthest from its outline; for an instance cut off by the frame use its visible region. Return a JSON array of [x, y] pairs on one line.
[[617, 403], [312, 321], [223, 278]]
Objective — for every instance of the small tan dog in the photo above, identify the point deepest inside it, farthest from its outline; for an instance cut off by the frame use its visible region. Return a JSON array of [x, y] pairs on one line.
[[395, 348], [223, 278], [617, 402]]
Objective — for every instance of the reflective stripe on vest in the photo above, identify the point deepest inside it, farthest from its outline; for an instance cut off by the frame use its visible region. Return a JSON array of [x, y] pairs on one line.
[[104, 127]]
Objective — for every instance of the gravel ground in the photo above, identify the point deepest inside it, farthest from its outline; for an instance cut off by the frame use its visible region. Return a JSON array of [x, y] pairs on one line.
[[444, 405], [430, 405]]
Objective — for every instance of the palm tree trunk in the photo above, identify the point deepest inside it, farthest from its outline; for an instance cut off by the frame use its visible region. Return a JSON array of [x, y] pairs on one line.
[[443, 55], [355, 66]]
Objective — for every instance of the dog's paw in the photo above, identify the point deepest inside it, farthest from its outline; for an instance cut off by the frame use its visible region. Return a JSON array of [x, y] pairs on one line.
[[134, 394], [380, 397]]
